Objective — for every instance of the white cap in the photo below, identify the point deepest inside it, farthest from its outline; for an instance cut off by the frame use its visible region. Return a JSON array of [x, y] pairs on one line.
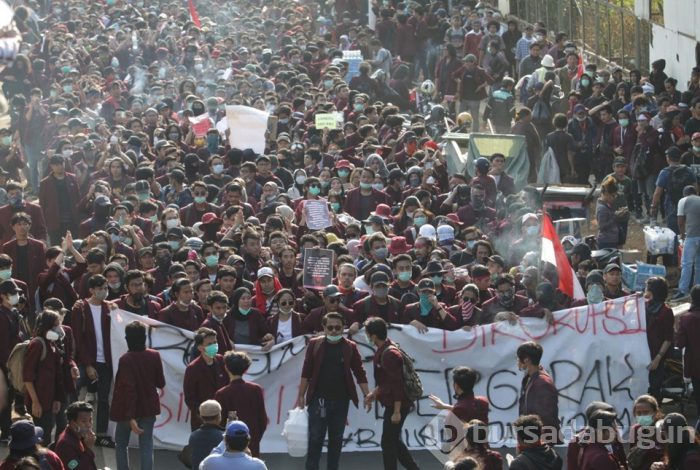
[[528, 216], [445, 232], [648, 88], [547, 61], [427, 231], [262, 272]]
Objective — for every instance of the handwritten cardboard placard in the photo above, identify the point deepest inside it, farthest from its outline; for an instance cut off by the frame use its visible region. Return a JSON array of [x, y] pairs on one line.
[[326, 120]]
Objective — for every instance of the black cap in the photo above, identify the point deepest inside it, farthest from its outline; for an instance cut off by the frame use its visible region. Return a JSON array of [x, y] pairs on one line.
[[331, 291], [56, 159], [426, 284], [612, 267], [582, 250], [498, 260], [112, 225], [9, 287], [175, 232], [594, 277], [379, 278], [102, 201]]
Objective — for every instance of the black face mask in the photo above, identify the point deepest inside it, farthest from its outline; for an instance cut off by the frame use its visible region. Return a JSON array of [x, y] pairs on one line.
[[102, 212]]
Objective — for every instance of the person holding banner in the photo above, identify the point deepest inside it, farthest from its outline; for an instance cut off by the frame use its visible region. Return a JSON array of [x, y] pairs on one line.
[[327, 387]]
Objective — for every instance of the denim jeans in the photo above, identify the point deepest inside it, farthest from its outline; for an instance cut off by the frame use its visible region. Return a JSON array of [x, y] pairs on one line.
[[33, 157], [329, 415], [691, 257], [121, 439], [393, 448]]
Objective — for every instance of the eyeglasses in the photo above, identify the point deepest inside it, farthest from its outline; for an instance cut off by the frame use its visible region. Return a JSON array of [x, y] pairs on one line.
[[334, 328], [286, 304]]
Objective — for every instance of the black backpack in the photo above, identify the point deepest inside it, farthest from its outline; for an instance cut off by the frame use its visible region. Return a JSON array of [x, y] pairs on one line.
[[681, 176]]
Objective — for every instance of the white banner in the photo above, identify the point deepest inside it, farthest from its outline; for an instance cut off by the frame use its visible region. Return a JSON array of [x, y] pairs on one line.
[[593, 353], [248, 126]]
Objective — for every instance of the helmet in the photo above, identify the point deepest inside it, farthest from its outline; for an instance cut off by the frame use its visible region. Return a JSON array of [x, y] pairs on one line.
[[437, 113], [427, 87], [464, 118]]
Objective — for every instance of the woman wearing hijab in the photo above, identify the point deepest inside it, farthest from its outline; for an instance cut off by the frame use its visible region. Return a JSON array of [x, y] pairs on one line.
[[245, 324]]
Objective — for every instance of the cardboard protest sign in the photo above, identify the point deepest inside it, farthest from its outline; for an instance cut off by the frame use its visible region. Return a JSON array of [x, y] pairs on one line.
[[326, 120], [247, 127], [318, 268]]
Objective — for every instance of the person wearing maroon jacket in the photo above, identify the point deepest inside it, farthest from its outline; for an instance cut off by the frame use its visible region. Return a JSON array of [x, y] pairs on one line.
[[313, 322], [28, 255], [164, 256], [327, 387], [183, 312], [659, 320], [42, 374], [246, 325], [19, 204], [218, 305], [57, 281], [193, 212], [10, 334], [428, 312], [468, 406], [244, 398], [136, 299], [379, 303], [596, 454], [389, 391], [347, 273], [59, 194], [687, 337], [204, 375], [360, 202], [538, 395], [135, 402], [90, 320], [505, 300], [74, 445], [285, 323]]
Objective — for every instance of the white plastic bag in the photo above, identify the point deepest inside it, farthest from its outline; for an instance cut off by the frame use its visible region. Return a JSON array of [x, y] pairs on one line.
[[296, 432], [549, 169], [659, 240]]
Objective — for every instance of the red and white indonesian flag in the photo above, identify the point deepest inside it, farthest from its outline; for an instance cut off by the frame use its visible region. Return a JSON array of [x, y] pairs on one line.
[[553, 252]]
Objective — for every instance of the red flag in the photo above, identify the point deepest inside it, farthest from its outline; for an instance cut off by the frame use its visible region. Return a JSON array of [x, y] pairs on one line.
[[553, 252], [579, 72], [193, 13]]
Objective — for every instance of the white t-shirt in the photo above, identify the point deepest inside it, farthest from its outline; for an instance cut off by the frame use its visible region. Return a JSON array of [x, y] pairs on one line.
[[96, 311], [284, 330]]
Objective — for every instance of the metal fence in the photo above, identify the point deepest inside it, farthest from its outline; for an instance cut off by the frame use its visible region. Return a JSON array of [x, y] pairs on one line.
[[607, 30]]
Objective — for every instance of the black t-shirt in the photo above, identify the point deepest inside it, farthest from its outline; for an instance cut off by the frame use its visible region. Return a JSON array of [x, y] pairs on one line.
[[63, 200], [22, 263], [331, 384], [561, 143]]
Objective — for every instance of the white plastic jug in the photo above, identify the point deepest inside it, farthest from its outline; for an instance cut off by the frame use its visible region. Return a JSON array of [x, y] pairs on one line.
[[296, 432]]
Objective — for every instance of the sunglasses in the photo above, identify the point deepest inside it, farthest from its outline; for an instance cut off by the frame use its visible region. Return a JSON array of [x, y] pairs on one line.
[[334, 328], [287, 304]]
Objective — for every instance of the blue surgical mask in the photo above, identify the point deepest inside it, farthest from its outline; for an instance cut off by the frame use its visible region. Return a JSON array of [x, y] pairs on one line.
[[436, 279], [532, 230], [211, 350], [200, 199], [335, 206], [365, 185], [334, 338], [211, 260], [217, 169], [244, 311], [644, 420], [405, 276], [341, 173], [425, 305], [585, 82], [595, 294], [5, 274], [174, 245], [624, 122], [314, 190], [381, 253], [420, 221]]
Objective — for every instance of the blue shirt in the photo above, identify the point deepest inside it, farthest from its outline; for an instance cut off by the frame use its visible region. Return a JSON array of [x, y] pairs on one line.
[[232, 460]]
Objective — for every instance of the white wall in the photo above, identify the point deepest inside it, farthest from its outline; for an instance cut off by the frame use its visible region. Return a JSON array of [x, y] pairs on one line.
[[676, 40]]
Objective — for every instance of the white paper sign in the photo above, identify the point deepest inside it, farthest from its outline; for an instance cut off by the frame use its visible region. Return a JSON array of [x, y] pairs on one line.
[[248, 126], [592, 353]]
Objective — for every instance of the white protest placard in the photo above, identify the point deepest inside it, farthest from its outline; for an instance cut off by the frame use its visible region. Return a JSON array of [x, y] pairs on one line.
[[200, 125], [592, 353], [317, 214], [247, 127], [326, 120]]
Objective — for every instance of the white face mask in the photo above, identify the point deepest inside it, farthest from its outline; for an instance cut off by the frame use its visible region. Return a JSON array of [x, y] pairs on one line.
[[51, 335], [14, 299], [171, 223]]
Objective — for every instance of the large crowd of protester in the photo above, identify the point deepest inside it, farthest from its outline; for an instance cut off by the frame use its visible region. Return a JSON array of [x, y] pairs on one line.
[[113, 197]]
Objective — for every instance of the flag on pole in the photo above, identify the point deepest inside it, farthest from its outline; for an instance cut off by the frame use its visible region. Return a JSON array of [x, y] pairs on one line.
[[193, 13], [553, 252], [579, 72]]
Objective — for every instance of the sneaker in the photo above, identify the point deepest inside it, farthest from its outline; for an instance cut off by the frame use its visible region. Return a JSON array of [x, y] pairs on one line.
[[105, 441]]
